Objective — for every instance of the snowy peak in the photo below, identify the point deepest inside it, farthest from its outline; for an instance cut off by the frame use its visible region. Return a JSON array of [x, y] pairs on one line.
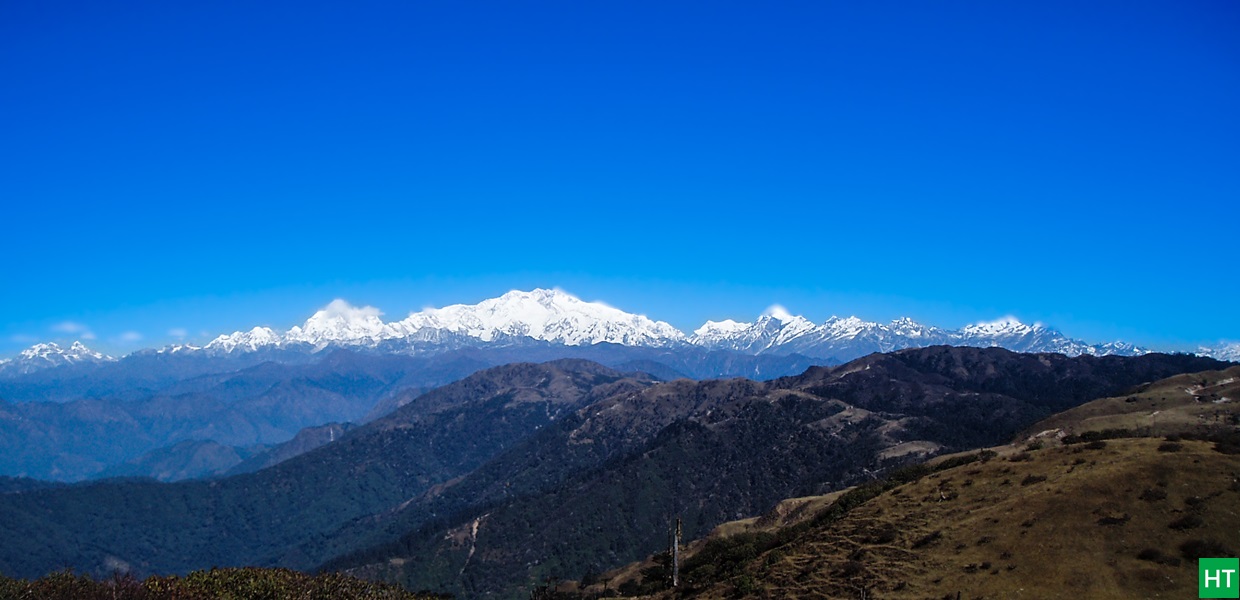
[[1229, 351], [774, 327], [907, 327], [722, 328], [847, 327], [42, 356], [558, 317], [1005, 326], [78, 352], [845, 338], [547, 315], [179, 348], [340, 321], [245, 341], [789, 325]]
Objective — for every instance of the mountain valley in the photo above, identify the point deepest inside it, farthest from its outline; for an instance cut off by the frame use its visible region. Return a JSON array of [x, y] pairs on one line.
[[516, 473]]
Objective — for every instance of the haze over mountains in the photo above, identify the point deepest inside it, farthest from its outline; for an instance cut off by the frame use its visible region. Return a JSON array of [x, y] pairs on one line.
[[557, 317], [488, 485], [185, 411]]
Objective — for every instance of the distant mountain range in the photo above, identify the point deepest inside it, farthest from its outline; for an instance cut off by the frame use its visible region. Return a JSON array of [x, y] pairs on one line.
[[133, 415], [558, 318], [44, 356], [71, 413]]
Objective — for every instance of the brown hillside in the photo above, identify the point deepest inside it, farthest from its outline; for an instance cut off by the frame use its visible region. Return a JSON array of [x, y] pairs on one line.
[[1177, 404], [1116, 519]]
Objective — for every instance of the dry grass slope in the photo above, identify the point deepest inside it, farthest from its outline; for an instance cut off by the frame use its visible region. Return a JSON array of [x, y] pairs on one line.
[[1124, 520], [1121, 518], [1175, 405]]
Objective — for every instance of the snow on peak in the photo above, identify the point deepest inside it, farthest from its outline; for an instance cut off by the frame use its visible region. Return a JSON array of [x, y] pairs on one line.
[[178, 348], [52, 351], [790, 325], [248, 341], [778, 312], [51, 354], [774, 327], [547, 315], [340, 321], [80, 348], [719, 328], [1007, 325], [1229, 351], [910, 328], [41, 351], [847, 327], [555, 316]]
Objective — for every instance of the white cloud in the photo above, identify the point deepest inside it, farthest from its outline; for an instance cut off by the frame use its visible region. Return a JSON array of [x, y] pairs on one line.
[[341, 308], [22, 338], [779, 312], [179, 333], [69, 327], [131, 336], [74, 329]]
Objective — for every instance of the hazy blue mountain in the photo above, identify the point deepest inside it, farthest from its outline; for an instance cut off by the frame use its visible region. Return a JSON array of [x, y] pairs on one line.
[[191, 459], [270, 517]]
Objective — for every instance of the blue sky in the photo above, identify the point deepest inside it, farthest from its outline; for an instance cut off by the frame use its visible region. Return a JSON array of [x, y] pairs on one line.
[[210, 167]]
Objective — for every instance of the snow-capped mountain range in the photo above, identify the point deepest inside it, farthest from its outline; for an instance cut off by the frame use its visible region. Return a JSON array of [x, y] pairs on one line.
[[557, 317], [1229, 351], [544, 315], [43, 356]]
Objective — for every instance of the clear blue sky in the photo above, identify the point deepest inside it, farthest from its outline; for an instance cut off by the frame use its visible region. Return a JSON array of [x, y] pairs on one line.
[[213, 166]]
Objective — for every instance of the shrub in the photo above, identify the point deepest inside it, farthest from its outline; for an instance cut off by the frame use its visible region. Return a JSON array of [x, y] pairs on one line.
[[1186, 522], [1032, 479], [1195, 549], [1157, 556], [746, 586], [886, 535], [851, 569], [928, 539], [275, 584], [1114, 520], [1093, 436]]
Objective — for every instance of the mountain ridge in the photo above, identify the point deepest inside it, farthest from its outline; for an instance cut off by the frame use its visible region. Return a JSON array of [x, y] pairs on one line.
[[558, 317], [627, 457]]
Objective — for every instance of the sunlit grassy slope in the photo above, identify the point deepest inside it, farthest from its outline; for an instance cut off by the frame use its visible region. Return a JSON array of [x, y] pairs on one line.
[[1125, 517]]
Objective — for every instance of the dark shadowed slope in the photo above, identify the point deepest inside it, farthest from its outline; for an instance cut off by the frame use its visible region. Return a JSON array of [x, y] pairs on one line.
[[262, 518]]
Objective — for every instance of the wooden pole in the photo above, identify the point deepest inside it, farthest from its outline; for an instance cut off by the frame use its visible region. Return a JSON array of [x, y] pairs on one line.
[[676, 555]]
